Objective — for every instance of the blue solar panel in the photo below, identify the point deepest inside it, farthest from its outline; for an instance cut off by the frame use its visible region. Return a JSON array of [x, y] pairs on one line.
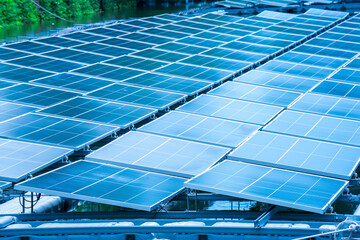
[[299, 154], [87, 109], [325, 51], [328, 105], [254, 93], [54, 131], [231, 109], [21, 74], [270, 185], [319, 127], [296, 69], [7, 54], [338, 89], [107, 184], [10, 110], [159, 154], [327, 43], [20, 159], [347, 75], [32, 47], [276, 80], [201, 129], [312, 60]]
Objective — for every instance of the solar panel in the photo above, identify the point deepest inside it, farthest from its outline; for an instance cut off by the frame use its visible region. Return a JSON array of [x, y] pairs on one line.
[[21, 159], [214, 62], [230, 31], [4, 185], [336, 130], [347, 75], [10, 110], [266, 41], [73, 82], [220, 17], [200, 42], [165, 33], [150, 39], [77, 56], [109, 72], [231, 109], [251, 22], [181, 29], [181, 48], [254, 93], [277, 29], [208, 21], [106, 184], [355, 47], [104, 49], [5, 84], [172, 17], [275, 15], [8, 54], [215, 36], [300, 19], [276, 80], [338, 89], [296, 69], [304, 26], [270, 185], [126, 43], [344, 30], [159, 154], [355, 64], [59, 41], [191, 24], [313, 60], [325, 51], [255, 49], [279, 35], [137, 63], [138, 95], [54, 131], [299, 154], [86, 37], [35, 95], [45, 63], [328, 105], [168, 83], [265, 19], [201, 129], [106, 32], [160, 55], [125, 28], [201, 73], [141, 23], [32, 47], [21, 74], [331, 15], [156, 20], [87, 109], [244, 27], [233, 54]]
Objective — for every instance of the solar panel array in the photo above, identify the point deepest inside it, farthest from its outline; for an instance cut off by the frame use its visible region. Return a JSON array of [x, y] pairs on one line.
[[147, 65]]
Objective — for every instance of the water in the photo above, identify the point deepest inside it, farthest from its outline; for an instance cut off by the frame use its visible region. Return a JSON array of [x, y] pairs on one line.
[[28, 31]]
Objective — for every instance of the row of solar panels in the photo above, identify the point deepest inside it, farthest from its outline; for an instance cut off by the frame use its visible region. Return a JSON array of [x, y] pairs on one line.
[[185, 144], [61, 94], [281, 3]]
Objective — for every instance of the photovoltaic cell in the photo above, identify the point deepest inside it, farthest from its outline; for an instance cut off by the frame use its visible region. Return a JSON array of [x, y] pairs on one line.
[[86, 37], [319, 127], [215, 36], [110, 72], [201, 129], [21, 74], [344, 30], [296, 69], [231, 109], [338, 89], [276, 80], [159, 154], [77, 56], [343, 37], [45, 63], [165, 33], [254, 93], [137, 63], [270, 185], [104, 49], [54, 130], [141, 23], [325, 51], [146, 38], [160, 55], [355, 64], [200, 42], [106, 32], [201, 73], [20, 159], [277, 29], [347, 75], [304, 26], [87, 109], [137, 95], [126, 43], [180, 29], [328, 105], [312, 60], [10, 110], [253, 48], [266, 41], [7, 54], [106, 184], [59, 41], [299, 154], [279, 35], [181, 85], [73, 82], [234, 54], [355, 47], [182, 48], [125, 27], [35, 95], [32, 47], [214, 62]]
